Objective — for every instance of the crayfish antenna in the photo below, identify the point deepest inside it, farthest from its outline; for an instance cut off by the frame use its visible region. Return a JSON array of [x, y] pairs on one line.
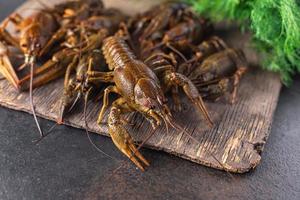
[[178, 127], [61, 115], [59, 121], [46, 134], [31, 96], [87, 129]]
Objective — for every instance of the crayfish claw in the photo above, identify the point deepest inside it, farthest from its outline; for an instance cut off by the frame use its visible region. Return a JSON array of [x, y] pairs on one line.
[[192, 93], [123, 140]]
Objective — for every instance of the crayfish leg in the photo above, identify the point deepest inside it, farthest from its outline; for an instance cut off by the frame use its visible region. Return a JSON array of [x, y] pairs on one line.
[[15, 18], [6, 68], [49, 71], [6, 36], [95, 76], [107, 91], [58, 36]]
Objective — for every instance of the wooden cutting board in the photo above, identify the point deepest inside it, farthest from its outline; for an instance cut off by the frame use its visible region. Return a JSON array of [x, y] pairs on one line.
[[241, 130]]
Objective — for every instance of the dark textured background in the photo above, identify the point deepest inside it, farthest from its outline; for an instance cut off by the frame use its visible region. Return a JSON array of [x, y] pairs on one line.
[[65, 166]]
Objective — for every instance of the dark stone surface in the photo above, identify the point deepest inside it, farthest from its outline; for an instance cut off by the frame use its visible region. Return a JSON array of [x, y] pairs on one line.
[[66, 166]]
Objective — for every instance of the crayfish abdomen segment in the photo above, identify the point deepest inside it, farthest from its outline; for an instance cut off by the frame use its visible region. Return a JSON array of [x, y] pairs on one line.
[[117, 52]]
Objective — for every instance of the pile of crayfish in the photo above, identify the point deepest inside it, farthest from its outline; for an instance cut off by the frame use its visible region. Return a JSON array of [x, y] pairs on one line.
[[141, 59]]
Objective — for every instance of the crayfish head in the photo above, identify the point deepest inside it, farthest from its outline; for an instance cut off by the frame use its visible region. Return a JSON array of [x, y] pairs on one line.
[[31, 43], [69, 99], [149, 94]]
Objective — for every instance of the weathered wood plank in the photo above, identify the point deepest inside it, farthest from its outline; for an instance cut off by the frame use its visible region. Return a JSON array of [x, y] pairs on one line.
[[236, 141]]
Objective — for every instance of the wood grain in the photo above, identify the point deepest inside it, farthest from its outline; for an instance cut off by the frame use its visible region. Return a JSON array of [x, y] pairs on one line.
[[234, 144]]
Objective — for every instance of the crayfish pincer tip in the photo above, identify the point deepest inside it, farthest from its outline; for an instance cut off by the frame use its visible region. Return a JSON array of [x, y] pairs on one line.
[[137, 163], [138, 160], [141, 168]]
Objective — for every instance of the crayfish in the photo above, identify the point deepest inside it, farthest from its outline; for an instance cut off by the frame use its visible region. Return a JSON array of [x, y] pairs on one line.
[[216, 69], [189, 48], [139, 90], [34, 32]]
